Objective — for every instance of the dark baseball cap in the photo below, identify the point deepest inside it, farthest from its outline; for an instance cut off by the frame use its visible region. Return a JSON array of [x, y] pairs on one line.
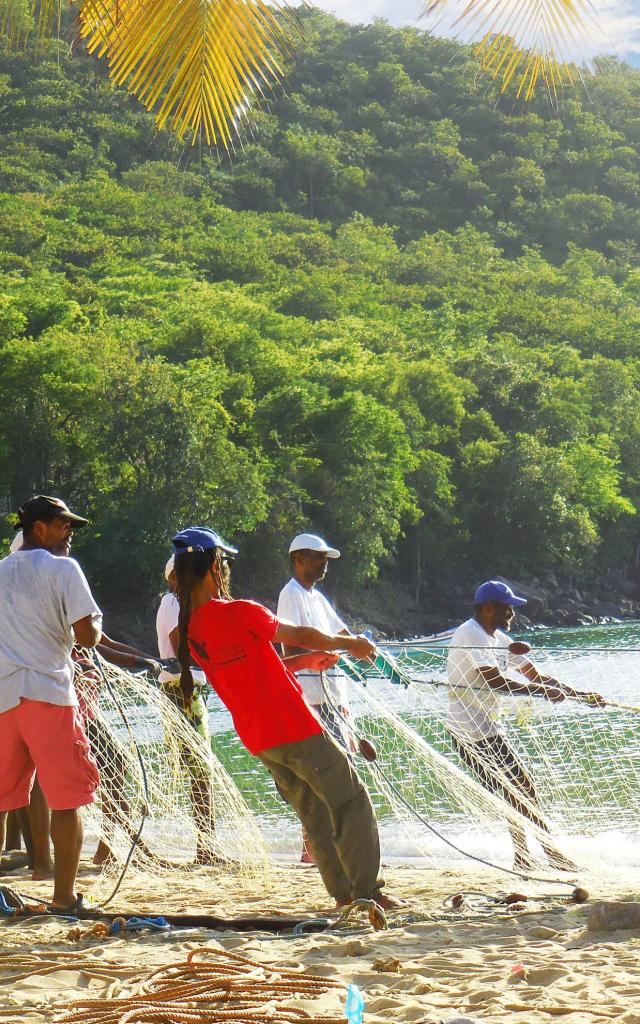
[[200, 538], [44, 508], [494, 590]]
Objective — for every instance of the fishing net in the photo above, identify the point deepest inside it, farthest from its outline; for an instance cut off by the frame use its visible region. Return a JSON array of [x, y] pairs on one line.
[[568, 779], [161, 781], [437, 796], [565, 773]]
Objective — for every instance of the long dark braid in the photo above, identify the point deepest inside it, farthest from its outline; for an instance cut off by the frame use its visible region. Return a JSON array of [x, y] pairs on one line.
[[190, 568]]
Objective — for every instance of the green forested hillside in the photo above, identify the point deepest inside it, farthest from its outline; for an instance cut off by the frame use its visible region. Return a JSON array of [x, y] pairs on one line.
[[405, 315]]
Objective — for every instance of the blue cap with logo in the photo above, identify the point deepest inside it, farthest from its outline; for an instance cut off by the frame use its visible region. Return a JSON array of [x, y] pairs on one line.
[[200, 538], [493, 590]]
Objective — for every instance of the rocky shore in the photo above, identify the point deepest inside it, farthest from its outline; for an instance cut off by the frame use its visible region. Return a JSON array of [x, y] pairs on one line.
[[392, 611]]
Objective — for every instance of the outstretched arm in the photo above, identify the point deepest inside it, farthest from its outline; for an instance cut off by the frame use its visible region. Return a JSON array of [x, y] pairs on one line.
[[310, 639], [538, 688], [529, 670], [538, 685]]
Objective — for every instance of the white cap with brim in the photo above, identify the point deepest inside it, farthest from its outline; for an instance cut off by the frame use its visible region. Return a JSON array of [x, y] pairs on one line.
[[310, 542], [16, 543], [169, 567]]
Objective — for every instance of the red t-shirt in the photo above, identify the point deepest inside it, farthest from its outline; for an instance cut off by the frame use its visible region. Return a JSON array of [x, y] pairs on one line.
[[231, 641]]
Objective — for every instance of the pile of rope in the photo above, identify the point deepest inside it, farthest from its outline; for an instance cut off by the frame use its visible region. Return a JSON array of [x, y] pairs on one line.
[[229, 988]]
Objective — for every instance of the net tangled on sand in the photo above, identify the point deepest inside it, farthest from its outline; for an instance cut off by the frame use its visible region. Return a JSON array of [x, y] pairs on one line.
[[160, 778], [583, 761]]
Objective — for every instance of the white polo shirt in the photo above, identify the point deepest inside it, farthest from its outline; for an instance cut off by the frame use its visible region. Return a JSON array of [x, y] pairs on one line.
[[305, 607], [474, 708], [41, 596]]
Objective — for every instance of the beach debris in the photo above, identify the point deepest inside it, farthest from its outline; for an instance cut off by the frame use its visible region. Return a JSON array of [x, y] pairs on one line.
[[354, 1005], [518, 973], [188, 991], [609, 917], [387, 964], [458, 901], [98, 930], [12, 860], [514, 897], [579, 895]]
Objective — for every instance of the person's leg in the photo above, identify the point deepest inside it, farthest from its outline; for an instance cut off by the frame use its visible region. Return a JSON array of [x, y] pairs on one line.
[[3, 830], [518, 777], [39, 827], [66, 833], [69, 778], [328, 772], [334, 723], [480, 758], [315, 819], [199, 774], [14, 832]]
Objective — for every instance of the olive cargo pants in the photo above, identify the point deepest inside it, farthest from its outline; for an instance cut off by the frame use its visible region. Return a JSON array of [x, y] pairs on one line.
[[318, 780]]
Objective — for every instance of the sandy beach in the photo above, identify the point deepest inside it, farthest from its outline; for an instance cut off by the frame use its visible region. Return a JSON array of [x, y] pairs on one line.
[[432, 964]]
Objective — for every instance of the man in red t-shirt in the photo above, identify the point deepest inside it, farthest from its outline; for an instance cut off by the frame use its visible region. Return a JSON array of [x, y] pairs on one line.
[[232, 641]]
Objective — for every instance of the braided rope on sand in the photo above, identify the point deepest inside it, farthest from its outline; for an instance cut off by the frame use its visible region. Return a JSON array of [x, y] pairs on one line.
[[25, 965], [185, 992]]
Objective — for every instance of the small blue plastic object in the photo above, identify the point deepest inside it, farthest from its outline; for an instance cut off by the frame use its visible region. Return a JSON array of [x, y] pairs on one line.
[[354, 1006], [135, 924]]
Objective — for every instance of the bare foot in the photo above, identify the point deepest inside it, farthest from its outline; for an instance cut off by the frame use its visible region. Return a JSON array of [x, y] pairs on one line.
[[209, 858], [103, 854], [41, 873]]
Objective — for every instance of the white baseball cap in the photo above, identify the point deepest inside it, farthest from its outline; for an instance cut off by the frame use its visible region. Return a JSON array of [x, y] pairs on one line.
[[169, 567], [16, 543], [310, 542]]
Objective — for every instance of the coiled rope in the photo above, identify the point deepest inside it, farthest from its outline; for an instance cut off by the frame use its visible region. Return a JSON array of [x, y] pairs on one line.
[[246, 991]]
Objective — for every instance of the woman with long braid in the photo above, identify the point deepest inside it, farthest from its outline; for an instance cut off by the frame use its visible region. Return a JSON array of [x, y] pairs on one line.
[[232, 641]]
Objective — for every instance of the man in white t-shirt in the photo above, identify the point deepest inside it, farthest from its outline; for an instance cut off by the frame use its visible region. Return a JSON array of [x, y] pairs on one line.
[[169, 679], [303, 605], [480, 657], [46, 604]]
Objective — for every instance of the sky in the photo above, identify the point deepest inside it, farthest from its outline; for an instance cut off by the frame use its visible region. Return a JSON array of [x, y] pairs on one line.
[[617, 24]]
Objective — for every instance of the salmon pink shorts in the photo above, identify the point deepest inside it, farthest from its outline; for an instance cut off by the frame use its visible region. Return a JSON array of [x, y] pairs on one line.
[[48, 739]]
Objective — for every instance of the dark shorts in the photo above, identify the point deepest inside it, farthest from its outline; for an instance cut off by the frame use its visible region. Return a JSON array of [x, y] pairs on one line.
[[494, 763]]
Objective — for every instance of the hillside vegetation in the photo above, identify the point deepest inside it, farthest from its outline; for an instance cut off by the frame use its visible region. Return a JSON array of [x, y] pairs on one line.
[[405, 315]]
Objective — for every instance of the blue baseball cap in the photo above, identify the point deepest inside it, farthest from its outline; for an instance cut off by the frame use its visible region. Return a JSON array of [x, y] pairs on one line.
[[200, 538], [493, 590]]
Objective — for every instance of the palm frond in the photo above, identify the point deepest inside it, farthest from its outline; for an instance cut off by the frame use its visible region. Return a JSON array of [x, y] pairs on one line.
[[199, 63], [522, 42]]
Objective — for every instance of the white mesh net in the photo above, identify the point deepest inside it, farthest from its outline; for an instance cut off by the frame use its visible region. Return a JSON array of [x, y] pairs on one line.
[[155, 765], [564, 775]]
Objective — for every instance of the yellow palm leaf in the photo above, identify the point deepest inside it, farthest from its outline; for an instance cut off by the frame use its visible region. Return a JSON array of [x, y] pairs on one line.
[[523, 41], [199, 63]]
